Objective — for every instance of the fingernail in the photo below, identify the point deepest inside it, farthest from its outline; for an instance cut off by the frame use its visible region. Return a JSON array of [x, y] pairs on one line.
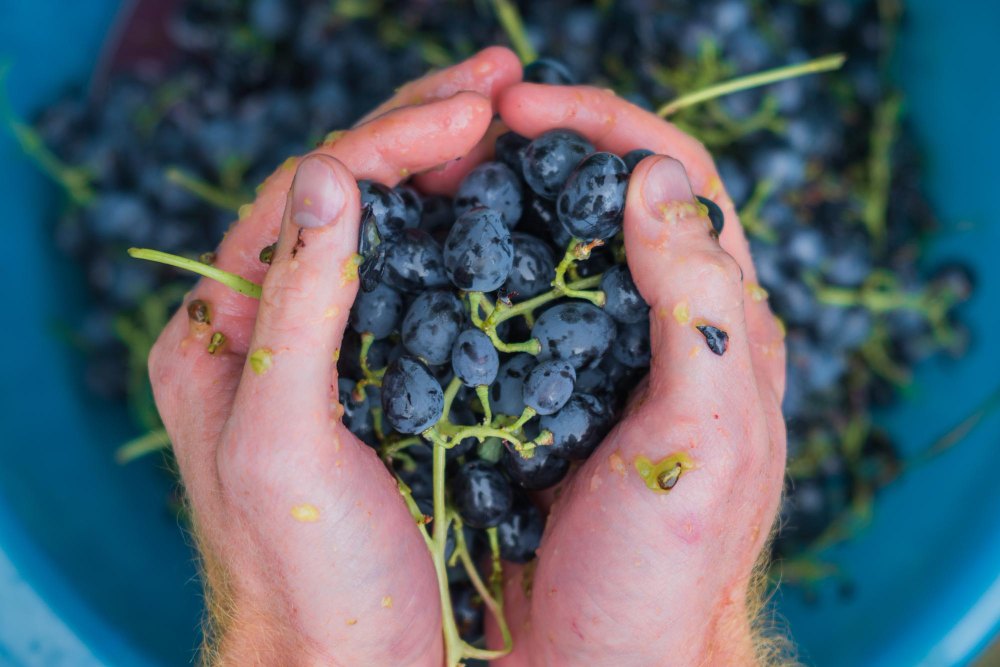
[[317, 198], [666, 183]]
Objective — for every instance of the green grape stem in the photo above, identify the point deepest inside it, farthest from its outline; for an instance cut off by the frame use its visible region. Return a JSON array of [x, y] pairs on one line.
[[825, 64], [230, 280], [148, 443], [493, 599], [510, 19], [206, 192]]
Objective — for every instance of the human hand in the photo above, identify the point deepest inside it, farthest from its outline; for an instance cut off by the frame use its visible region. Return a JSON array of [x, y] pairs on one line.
[[309, 554], [628, 575]]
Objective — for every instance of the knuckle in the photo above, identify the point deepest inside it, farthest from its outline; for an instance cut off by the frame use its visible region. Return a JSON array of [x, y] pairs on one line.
[[717, 271]]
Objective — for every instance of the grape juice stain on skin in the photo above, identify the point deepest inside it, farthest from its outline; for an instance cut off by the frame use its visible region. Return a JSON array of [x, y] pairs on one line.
[[663, 475], [305, 513]]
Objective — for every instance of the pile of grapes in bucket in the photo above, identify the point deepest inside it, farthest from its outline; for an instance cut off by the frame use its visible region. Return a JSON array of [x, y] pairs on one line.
[[514, 358]]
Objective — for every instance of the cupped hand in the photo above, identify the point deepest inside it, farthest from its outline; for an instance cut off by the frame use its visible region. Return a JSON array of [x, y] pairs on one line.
[[309, 554], [628, 574]]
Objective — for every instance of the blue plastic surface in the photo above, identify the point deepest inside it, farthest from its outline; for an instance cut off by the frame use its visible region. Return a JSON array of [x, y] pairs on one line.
[[93, 569], [93, 540]]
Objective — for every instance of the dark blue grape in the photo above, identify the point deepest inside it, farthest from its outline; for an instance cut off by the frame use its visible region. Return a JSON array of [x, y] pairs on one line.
[[349, 360], [520, 532], [550, 71], [548, 160], [478, 252], [493, 185], [413, 261], [578, 332], [624, 303], [578, 428], [432, 324], [377, 312], [549, 385], [533, 267], [482, 495], [357, 415], [540, 471], [387, 207], [474, 358], [592, 202], [714, 214], [437, 216], [506, 392], [540, 219], [462, 415], [631, 346], [412, 400], [469, 611], [634, 157], [509, 147], [413, 205]]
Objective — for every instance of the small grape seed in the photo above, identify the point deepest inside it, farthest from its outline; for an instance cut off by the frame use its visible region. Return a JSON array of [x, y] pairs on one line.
[[198, 312]]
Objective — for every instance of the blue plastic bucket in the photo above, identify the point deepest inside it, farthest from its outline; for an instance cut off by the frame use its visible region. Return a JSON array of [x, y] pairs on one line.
[[93, 569]]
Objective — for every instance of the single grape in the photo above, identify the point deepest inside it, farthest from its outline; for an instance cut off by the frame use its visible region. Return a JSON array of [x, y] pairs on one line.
[[413, 262], [431, 325], [462, 415], [548, 160], [540, 471], [482, 495], [631, 345], [387, 207], [550, 71], [577, 331], [714, 214], [623, 301], [578, 428], [469, 611], [509, 147], [493, 185], [592, 202], [478, 253], [474, 358], [413, 206], [506, 392], [532, 269], [357, 415], [632, 158], [520, 532], [412, 400], [437, 215], [549, 385], [377, 312]]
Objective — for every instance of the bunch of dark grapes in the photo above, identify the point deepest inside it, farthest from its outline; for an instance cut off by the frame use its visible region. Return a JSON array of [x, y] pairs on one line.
[[825, 172], [498, 326]]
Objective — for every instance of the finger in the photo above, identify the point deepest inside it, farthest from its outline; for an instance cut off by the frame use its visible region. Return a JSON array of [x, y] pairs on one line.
[[303, 482], [307, 294], [488, 73], [196, 363], [689, 281], [386, 149], [445, 179], [618, 126]]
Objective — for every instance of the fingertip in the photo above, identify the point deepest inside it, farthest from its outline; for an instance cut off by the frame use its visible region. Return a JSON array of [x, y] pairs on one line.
[[506, 69], [658, 180]]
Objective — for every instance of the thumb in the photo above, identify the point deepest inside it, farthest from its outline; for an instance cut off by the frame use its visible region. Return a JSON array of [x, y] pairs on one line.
[[308, 290], [689, 281]]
